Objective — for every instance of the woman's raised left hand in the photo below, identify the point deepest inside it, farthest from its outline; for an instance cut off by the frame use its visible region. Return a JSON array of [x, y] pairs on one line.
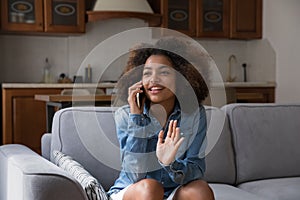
[[167, 147]]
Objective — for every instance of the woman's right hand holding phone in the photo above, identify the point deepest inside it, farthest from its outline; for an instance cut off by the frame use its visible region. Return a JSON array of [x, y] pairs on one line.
[[132, 98]]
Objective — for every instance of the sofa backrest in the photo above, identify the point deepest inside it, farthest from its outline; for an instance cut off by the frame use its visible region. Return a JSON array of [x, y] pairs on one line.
[[266, 140], [220, 163], [88, 135]]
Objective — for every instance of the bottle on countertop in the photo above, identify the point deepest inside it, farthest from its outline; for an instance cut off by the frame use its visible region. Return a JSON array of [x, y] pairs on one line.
[[88, 74], [47, 77]]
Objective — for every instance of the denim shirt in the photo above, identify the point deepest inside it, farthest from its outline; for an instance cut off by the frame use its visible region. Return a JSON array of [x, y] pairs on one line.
[[138, 136]]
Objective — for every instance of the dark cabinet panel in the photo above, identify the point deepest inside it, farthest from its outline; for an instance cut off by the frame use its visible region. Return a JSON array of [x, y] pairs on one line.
[[246, 19], [255, 95], [234, 19], [25, 15], [28, 121], [64, 16], [213, 18], [24, 118], [58, 16], [180, 16]]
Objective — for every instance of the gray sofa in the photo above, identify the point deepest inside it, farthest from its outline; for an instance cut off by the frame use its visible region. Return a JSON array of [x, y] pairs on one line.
[[255, 156]]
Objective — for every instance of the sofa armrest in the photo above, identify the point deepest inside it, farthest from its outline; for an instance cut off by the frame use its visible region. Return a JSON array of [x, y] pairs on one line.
[[46, 145], [26, 175]]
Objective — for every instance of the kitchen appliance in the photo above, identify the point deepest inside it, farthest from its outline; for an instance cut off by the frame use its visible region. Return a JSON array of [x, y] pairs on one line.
[[123, 5]]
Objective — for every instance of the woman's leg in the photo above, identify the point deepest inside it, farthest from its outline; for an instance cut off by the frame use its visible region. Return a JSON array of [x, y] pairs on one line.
[[195, 190], [146, 189]]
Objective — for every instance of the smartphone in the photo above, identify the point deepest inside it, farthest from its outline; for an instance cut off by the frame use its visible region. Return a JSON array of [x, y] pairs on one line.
[[139, 98]]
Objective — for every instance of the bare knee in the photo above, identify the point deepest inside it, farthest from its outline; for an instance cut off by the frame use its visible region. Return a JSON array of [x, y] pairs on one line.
[[148, 189], [198, 189], [205, 190], [151, 186]]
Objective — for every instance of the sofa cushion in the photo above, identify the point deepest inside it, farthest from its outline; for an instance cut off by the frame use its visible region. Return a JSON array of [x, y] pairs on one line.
[[91, 186], [228, 192], [220, 166], [266, 140], [88, 135], [275, 189]]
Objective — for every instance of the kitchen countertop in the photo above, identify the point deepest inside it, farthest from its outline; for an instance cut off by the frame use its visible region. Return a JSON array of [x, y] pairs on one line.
[[112, 85], [244, 84], [58, 85]]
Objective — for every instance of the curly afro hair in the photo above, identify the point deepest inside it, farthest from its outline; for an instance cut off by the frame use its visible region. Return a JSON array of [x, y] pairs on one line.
[[191, 62]]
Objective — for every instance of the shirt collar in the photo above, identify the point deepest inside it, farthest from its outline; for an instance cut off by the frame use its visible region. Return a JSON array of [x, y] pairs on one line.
[[176, 110]]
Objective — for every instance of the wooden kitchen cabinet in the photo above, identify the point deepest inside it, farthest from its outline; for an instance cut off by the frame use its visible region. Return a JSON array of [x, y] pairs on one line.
[[213, 18], [179, 15], [241, 93], [51, 16], [255, 95], [24, 118], [246, 19], [22, 15], [67, 16], [234, 19]]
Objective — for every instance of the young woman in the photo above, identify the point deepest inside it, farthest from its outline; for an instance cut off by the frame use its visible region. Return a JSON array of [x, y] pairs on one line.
[[161, 134]]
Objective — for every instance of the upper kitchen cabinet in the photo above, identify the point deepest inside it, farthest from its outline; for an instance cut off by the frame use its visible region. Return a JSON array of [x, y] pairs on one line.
[[51, 16], [234, 19], [67, 16], [22, 15], [246, 19], [213, 18], [179, 15]]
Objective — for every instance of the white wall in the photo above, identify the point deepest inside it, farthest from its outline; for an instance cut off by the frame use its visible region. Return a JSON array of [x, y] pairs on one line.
[[23, 57], [282, 29], [257, 54], [97, 32]]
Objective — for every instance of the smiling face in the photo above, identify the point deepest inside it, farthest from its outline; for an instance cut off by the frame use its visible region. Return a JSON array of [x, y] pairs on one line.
[[159, 79]]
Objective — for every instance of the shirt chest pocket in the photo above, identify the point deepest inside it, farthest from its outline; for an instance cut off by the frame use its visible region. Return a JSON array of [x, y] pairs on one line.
[[188, 135], [151, 143]]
